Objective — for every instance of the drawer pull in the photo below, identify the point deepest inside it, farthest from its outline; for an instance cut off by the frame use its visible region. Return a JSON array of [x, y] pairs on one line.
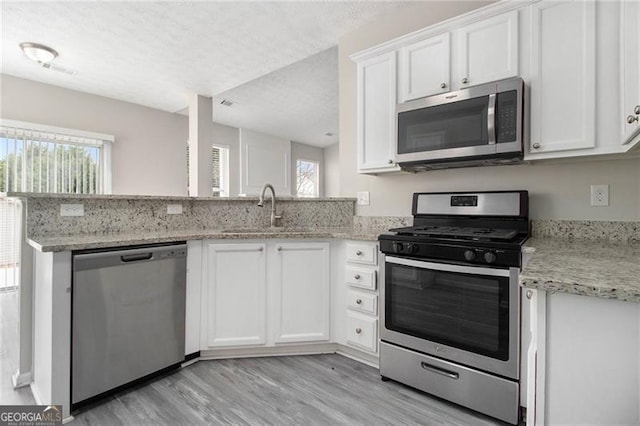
[[358, 301], [358, 252], [358, 330], [529, 294], [356, 276], [441, 371]]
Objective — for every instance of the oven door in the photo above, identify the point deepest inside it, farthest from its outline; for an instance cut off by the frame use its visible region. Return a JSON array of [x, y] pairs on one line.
[[469, 315]]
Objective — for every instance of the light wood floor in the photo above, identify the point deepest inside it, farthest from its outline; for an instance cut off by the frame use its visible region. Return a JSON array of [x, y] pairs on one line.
[[295, 390]]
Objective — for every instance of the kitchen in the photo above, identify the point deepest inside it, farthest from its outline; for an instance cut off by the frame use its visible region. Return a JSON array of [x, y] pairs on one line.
[[557, 180]]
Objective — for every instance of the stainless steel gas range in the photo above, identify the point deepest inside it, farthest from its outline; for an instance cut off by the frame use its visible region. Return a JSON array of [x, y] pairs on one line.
[[450, 322]]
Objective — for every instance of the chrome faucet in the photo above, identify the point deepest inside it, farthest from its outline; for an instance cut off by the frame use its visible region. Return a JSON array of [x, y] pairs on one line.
[[274, 217]]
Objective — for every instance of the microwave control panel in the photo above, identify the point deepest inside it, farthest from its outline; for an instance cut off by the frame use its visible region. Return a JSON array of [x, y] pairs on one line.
[[506, 116]]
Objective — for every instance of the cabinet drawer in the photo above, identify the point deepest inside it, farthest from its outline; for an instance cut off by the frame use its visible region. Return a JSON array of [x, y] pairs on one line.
[[362, 331], [363, 302], [360, 277], [362, 253]]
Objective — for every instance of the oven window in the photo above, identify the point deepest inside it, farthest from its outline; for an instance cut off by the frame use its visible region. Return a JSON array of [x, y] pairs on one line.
[[465, 311], [455, 125]]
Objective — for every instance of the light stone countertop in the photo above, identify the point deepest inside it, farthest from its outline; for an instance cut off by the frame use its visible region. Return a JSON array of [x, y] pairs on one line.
[[585, 267], [83, 242]]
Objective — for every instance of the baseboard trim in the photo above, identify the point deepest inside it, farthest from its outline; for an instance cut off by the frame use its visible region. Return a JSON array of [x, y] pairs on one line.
[[306, 349], [371, 360], [21, 380]]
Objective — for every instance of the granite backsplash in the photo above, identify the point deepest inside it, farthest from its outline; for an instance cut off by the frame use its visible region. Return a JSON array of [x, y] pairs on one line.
[[104, 215]]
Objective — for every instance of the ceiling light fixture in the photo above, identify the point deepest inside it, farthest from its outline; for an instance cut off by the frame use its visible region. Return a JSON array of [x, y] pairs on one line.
[[38, 52]]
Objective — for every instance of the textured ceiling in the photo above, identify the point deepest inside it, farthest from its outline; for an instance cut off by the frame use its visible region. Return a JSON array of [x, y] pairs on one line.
[[157, 53]]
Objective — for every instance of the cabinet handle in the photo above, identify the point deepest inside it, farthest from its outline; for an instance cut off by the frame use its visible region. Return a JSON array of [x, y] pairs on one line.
[[279, 248], [358, 301], [636, 110], [261, 248], [356, 276], [529, 294], [358, 330], [536, 145], [389, 161], [443, 85], [631, 119], [358, 252], [465, 80]]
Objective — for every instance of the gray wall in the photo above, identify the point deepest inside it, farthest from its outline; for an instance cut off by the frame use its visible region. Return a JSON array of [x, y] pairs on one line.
[[332, 171], [149, 153], [558, 189], [301, 151]]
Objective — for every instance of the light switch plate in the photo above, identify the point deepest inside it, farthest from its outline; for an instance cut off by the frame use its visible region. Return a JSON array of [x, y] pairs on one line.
[[599, 195], [363, 198], [174, 208], [71, 209]]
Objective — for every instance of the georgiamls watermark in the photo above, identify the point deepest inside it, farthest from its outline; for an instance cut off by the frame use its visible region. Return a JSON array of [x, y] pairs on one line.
[[30, 415]]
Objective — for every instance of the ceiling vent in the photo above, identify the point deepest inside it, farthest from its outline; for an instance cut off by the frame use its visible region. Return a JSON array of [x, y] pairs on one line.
[[226, 102]]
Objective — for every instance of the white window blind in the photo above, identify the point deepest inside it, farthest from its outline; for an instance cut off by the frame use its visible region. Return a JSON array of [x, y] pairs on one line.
[[42, 159], [220, 178]]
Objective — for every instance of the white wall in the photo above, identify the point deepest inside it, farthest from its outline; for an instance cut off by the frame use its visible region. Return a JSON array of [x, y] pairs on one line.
[[558, 190], [149, 153], [332, 171], [264, 159], [300, 151]]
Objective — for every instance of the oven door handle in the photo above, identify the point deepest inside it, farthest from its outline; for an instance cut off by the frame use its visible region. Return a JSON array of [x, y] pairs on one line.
[[447, 267]]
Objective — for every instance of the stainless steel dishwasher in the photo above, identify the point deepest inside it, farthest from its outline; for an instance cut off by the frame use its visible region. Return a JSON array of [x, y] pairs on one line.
[[128, 320]]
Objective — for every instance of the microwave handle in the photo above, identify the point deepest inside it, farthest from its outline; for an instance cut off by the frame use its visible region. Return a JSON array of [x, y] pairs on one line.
[[491, 119]]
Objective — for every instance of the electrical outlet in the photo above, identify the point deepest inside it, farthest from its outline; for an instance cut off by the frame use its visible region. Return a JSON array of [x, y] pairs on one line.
[[599, 195], [71, 209], [363, 198], [174, 208]]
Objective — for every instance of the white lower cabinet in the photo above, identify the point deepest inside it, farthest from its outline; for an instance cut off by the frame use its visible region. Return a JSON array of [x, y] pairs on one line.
[[583, 360], [302, 290], [361, 296], [362, 330], [264, 293], [234, 304]]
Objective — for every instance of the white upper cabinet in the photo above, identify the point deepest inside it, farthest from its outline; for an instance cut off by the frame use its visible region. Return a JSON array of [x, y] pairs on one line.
[[630, 67], [563, 76], [487, 50], [376, 114], [424, 68]]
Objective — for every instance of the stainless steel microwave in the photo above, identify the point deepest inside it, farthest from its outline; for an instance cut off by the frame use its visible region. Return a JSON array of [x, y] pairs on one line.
[[481, 125]]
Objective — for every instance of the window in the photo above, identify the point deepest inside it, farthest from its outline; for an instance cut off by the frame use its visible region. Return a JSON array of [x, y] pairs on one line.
[[220, 178], [307, 178], [35, 158]]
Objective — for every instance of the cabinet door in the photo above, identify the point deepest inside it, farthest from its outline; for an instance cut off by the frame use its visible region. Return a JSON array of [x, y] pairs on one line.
[[630, 16], [302, 292], [424, 68], [563, 84], [234, 302], [487, 50], [376, 114]]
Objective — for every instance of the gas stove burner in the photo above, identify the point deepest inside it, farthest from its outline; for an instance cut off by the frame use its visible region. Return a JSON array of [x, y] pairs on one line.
[[458, 232]]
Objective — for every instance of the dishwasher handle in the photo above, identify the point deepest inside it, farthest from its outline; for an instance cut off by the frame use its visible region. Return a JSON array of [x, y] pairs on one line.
[[136, 257]]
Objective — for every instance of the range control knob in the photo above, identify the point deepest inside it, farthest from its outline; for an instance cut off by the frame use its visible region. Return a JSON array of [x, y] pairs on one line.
[[469, 255], [397, 247], [490, 257], [412, 248]]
